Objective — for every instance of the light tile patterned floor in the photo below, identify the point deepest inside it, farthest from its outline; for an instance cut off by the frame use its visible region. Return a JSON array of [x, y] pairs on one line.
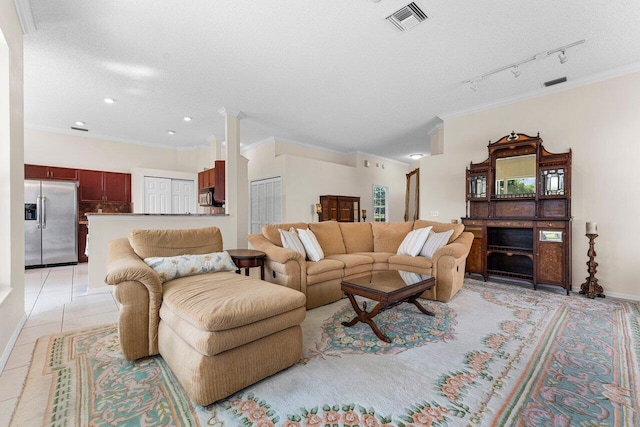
[[55, 301]]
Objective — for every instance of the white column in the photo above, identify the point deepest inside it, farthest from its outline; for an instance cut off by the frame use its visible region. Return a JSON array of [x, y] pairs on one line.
[[236, 204]]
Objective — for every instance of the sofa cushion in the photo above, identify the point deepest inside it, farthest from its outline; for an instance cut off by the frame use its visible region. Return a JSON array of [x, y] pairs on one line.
[[414, 242], [218, 312], [352, 260], [323, 266], [222, 301], [387, 236], [273, 235], [169, 268], [290, 240], [165, 243], [435, 242], [311, 246], [439, 227], [329, 236], [357, 236], [398, 261], [327, 269]]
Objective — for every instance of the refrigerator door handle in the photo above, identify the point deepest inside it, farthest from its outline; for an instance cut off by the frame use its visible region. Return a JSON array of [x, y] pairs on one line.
[[39, 212], [44, 212]]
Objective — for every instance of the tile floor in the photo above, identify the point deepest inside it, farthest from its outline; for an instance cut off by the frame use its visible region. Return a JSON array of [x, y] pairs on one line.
[[55, 301]]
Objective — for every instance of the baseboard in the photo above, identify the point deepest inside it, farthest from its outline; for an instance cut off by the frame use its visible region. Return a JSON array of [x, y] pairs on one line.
[[12, 341], [622, 296]]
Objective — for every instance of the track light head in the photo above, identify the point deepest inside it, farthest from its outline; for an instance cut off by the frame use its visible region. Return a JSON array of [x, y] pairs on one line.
[[562, 57], [515, 72]]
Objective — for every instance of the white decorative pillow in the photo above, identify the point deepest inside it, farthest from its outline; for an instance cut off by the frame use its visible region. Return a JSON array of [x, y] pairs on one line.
[[435, 242], [290, 240], [173, 267], [311, 245], [414, 242], [412, 278]]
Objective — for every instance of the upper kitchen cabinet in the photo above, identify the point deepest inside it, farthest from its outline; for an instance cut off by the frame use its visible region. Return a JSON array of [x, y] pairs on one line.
[[100, 186], [49, 172], [214, 178]]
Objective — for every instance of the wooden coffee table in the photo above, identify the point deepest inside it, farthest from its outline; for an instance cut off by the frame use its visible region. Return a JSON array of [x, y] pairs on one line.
[[389, 288]]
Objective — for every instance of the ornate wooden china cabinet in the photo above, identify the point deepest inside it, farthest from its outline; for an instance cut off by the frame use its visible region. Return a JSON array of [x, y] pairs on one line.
[[519, 210]]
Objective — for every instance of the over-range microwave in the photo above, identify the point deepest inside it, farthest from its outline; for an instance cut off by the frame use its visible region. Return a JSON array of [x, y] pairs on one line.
[[205, 197]]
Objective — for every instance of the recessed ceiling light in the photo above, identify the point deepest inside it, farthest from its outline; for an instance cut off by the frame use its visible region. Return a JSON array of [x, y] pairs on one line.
[[80, 123], [416, 156], [109, 100], [171, 132], [187, 118]]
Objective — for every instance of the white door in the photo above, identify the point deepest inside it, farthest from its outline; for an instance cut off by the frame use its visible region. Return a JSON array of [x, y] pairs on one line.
[[157, 195], [183, 196], [266, 203]]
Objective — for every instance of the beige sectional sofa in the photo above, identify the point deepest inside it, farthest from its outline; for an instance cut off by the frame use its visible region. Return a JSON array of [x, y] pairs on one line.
[[355, 249], [218, 332]]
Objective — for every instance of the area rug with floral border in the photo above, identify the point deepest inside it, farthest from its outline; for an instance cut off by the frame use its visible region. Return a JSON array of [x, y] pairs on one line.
[[496, 354]]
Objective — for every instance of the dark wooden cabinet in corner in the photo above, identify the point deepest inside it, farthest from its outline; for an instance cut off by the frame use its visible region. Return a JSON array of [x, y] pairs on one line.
[[214, 178], [82, 242], [49, 172], [519, 210], [340, 208], [101, 186]]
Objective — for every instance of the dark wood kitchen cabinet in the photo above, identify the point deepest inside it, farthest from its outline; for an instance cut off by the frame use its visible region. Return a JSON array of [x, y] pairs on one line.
[[214, 178], [101, 186], [82, 242], [49, 172]]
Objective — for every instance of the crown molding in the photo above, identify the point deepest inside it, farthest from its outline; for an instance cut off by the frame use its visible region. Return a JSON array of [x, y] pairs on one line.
[[25, 15], [233, 113], [113, 139], [572, 84]]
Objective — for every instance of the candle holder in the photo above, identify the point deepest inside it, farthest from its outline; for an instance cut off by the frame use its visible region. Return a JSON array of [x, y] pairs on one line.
[[319, 211], [591, 288], [364, 215]]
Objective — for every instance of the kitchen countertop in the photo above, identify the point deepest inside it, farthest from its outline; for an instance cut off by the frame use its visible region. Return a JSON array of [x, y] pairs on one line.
[[149, 214]]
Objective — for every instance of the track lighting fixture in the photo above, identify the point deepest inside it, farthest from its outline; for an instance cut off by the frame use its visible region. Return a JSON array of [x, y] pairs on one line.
[[562, 56]]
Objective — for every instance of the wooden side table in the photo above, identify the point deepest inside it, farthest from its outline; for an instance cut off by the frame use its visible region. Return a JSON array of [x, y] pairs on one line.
[[248, 258]]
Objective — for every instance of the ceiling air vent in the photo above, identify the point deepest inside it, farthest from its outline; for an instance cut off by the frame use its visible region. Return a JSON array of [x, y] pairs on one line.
[[554, 82], [407, 17]]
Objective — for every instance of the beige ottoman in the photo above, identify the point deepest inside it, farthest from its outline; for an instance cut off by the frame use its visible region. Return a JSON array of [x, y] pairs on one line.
[[221, 332]]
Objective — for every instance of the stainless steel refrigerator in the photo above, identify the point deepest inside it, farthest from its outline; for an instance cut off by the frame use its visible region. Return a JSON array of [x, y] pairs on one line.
[[50, 222]]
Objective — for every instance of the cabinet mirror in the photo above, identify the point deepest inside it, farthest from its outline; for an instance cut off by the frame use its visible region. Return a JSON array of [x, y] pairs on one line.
[[516, 176]]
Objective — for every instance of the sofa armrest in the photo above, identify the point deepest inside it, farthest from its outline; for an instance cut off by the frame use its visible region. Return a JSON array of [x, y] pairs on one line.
[[138, 290], [283, 266], [448, 266], [274, 253], [124, 265]]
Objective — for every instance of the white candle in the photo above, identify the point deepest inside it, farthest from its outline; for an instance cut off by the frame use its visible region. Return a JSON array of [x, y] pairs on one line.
[[592, 228]]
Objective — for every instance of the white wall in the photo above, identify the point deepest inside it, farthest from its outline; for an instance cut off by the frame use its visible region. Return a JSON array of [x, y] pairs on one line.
[[12, 313], [600, 123], [306, 175]]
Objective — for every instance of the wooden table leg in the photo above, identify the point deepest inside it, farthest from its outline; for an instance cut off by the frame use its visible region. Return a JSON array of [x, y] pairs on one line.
[[262, 272], [415, 302], [366, 317]]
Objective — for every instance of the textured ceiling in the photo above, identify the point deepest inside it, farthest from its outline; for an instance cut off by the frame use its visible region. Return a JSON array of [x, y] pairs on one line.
[[327, 73]]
